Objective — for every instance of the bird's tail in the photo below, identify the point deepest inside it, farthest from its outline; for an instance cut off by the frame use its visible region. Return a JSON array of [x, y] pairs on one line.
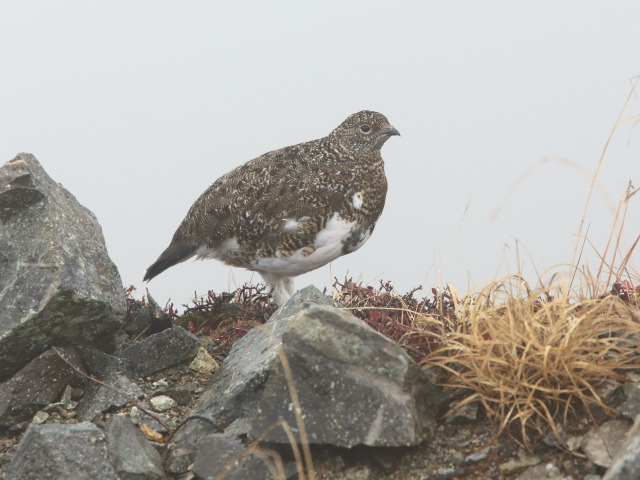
[[173, 255]]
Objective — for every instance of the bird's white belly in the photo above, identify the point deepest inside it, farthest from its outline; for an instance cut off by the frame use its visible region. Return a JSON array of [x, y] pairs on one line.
[[328, 246]]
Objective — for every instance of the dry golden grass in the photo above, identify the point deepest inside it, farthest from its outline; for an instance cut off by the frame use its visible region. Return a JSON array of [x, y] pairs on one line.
[[531, 358]]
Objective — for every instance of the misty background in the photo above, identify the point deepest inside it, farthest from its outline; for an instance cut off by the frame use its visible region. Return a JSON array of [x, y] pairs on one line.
[[137, 107]]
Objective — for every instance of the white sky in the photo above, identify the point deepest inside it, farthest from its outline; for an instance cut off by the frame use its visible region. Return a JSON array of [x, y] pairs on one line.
[[137, 107]]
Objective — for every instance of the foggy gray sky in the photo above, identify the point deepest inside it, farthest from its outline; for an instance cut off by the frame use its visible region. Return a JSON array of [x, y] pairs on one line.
[[137, 107]]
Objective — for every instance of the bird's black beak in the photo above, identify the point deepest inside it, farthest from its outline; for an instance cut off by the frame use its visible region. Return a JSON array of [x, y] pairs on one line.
[[390, 132]]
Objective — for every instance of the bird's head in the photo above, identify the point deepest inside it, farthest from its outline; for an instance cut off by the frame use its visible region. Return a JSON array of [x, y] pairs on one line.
[[365, 131]]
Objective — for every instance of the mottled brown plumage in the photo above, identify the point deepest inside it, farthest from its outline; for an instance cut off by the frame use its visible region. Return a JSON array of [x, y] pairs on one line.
[[291, 210]]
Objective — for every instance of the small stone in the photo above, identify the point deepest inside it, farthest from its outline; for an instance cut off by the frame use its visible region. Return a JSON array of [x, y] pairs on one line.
[[573, 443], [601, 444], [140, 418], [477, 456], [465, 414], [65, 398], [204, 363], [445, 471], [160, 386], [150, 434], [63, 412], [40, 417], [542, 472], [523, 460], [162, 403]]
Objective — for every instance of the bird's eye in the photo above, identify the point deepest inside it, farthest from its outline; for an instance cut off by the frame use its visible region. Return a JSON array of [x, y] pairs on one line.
[[365, 128]]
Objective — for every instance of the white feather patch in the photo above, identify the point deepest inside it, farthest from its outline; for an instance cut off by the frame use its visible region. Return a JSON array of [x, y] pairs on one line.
[[220, 252], [357, 200], [290, 224], [328, 246]]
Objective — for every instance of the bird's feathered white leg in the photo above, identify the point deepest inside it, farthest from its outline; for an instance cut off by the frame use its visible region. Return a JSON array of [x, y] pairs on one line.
[[283, 287]]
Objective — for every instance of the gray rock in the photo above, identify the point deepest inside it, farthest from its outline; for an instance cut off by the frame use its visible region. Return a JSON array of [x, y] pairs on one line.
[[226, 457], [100, 364], [464, 415], [54, 452], [354, 385], [182, 396], [160, 351], [147, 316], [602, 444], [626, 463], [57, 283], [99, 399], [180, 461], [138, 417], [630, 408], [131, 454], [111, 371], [38, 384], [39, 417], [477, 456], [162, 403], [546, 471]]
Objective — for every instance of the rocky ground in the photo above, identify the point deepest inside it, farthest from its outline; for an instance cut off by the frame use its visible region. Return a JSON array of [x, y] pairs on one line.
[[463, 447]]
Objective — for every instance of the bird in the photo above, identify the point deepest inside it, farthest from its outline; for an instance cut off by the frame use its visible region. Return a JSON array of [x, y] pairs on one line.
[[292, 210]]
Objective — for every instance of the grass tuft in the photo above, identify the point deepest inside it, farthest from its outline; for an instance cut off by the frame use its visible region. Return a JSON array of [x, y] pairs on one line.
[[531, 358]]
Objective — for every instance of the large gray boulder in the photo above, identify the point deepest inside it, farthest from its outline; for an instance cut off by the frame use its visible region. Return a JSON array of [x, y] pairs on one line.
[[353, 385], [57, 283], [131, 454], [54, 452], [38, 384]]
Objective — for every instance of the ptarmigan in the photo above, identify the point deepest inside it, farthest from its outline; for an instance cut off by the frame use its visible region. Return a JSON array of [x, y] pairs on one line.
[[292, 210]]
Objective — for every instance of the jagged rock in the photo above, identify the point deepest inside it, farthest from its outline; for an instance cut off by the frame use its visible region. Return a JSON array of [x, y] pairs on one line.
[[131, 454], [39, 417], [630, 408], [100, 364], [180, 461], [160, 351], [354, 385], [147, 316], [626, 463], [99, 398], [57, 283], [601, 444], [53, 452], [38, 384], [111, 371], [204, 363], [222, 456]]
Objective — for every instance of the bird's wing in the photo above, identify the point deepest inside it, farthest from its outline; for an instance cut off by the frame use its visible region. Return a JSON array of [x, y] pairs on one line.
[[261, 196]]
